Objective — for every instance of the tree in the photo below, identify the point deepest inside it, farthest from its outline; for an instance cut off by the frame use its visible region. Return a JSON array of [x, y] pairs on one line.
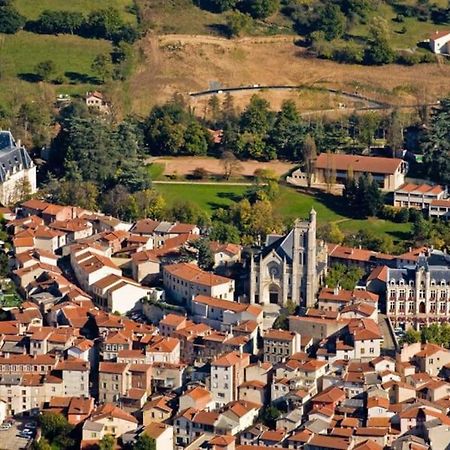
[[309, 156], [104, 23], [107, 442], [395, 133], [144, 442], [214, 108], [45, 69], [343, 276], [330, 232], [54, 426], [257, 116], [219, 5], [231, 165], [42, 444], [224, 233], [379, 50], [270, 414], [196, 139], [54, 22], [260, 9], [205, 256], [10, 20], [411, 336], [436, 144], [102, 67], [288, 132], [332, 21], [150, 203]]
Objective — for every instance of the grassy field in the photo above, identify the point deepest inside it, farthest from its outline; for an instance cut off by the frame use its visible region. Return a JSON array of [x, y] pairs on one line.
[[208, 197], [163, 16], [31, 9], [289, 204], [193, 63], [73, 55]]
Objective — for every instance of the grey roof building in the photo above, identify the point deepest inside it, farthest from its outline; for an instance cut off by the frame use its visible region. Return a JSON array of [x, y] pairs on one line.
[[17, 170]]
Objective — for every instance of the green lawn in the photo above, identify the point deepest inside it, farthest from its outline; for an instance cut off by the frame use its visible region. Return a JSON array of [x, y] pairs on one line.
[[73, 55], [289, 204], [416, 31], [31, 9], [208, 197], [156, 170]]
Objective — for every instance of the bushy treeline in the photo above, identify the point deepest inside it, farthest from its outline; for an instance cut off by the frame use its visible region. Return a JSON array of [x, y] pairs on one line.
[[100, 24], [258, 132]]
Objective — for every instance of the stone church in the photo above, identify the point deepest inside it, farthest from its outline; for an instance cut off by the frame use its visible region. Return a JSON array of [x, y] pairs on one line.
[[290, 267]]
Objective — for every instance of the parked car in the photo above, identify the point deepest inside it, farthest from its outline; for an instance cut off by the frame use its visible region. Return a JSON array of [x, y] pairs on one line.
[[5, 426], [26, 433], [30, 425]]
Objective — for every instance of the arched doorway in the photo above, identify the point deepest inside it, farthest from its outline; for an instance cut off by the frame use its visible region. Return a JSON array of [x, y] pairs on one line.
[[422, 308], [274, 294]]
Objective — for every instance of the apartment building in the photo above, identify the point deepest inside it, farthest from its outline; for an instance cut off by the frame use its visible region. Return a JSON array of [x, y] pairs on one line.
[[279, 345], [227, 373], [418, 196], [114, 381], [185, 280]]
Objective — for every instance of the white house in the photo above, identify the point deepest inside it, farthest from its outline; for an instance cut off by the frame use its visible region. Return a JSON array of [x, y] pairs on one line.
[[439, 42]]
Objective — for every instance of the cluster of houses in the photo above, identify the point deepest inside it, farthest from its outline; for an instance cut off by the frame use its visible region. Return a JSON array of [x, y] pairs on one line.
[[212, 369]]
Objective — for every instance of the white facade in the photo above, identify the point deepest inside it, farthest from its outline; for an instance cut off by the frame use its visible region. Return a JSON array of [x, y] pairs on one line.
[[17, 170], [124, 298], [439, 42]]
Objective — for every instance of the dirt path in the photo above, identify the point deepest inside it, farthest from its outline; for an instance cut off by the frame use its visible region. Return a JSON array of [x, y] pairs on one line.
[[184, 165], [205, 39]]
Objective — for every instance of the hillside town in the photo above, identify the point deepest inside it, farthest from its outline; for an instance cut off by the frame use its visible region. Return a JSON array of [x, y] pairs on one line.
[[121, 333]]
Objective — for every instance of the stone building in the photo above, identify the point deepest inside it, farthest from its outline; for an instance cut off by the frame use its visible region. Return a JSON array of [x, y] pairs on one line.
[[17, 170], [289, 268], [332, 170], [420, 294]]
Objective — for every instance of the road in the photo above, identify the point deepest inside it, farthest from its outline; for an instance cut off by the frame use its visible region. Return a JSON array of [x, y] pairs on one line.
[[389, 344], [207, 183], [371, 105], [10, 439]]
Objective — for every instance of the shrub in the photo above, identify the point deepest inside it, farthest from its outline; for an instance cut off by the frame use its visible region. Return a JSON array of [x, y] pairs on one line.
[[199, 173], [10, 20]]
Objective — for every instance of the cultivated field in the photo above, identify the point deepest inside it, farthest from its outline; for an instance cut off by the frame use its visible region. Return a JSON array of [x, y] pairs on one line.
[[183, 166], [179, 63]]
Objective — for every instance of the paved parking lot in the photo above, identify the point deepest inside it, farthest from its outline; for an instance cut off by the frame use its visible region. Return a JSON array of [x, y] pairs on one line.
[[10, 439]]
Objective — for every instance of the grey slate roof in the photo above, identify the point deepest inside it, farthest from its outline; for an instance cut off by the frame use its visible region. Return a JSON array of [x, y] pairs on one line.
[[282, 245], [12, 157]]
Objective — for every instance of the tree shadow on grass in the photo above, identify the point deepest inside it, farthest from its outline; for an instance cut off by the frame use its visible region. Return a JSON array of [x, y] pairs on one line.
[[220, 29], [81, 78], [334, 203], [399, 235], [215, 206], [230, 195], [30, 77]]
